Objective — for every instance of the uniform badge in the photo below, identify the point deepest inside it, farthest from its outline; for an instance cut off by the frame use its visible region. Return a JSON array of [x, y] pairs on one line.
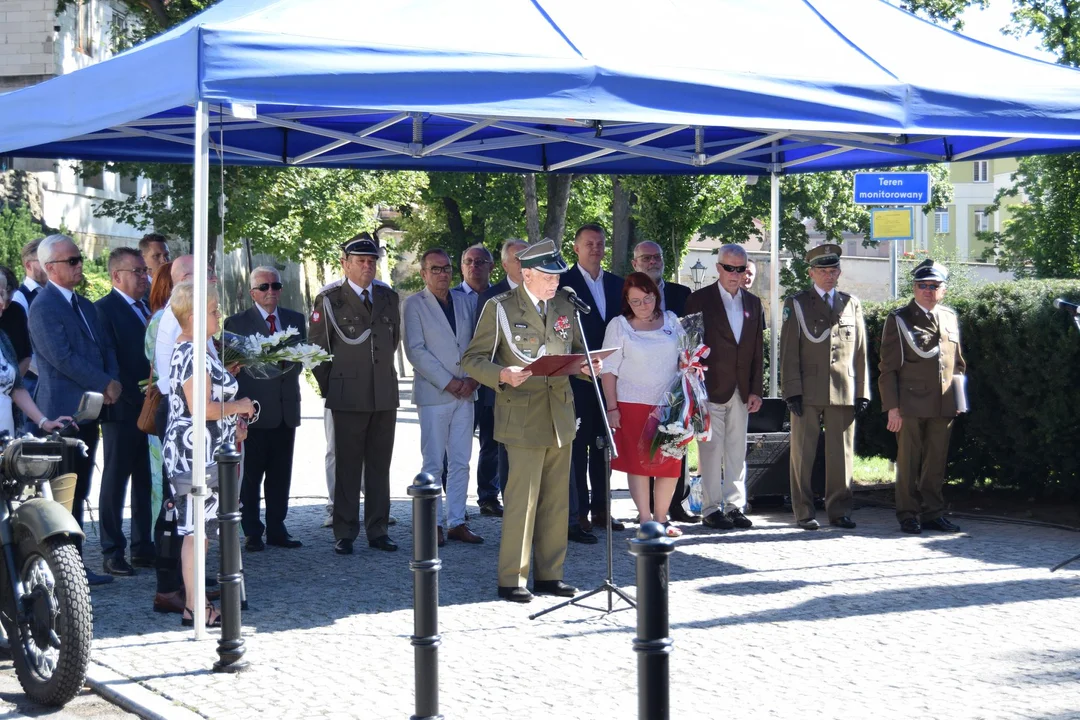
[[520, 325], [787, 313], [315, 316], [562, 327], [517, 338]]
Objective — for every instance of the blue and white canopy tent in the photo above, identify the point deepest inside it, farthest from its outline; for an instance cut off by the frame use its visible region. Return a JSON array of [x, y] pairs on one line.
[[743, 87]]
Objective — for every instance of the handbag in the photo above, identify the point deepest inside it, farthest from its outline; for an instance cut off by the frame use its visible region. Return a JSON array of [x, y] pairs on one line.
[[148, 415]]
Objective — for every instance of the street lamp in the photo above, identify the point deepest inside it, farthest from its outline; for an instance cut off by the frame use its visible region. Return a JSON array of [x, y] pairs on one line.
[[697, 273]]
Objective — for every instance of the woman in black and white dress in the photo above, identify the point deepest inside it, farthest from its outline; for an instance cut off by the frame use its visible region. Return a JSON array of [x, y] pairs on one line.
[[221, 424]]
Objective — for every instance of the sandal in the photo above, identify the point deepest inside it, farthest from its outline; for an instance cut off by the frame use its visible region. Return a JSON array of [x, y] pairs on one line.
[[213, 617], [672, 531]]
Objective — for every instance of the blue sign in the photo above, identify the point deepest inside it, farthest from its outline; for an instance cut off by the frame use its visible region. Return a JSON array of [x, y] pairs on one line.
[[900, 188]]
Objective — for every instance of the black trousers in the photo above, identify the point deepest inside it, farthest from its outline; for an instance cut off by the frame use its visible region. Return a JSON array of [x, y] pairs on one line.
[[589, 464], [364, 443], [488, 482], [166, 550], [268, 459], [126, 455], [83, 467]]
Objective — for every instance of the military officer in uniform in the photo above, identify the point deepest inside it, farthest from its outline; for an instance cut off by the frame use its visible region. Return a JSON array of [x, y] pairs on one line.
[[824, 380], [359, 323], [920, 359], [534, 418]]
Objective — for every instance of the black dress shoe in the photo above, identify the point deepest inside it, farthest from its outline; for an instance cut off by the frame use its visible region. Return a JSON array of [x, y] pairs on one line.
[[739, 520], [554, 587], [578, 534], [943, 524], [599, 522], [285, 542], [910, 526], [843, 522], [515, 594], [718, 521], [383, 543], [491, 508], [678, 514], [254, 544], [143, 562], [343, 546], [118, 566]]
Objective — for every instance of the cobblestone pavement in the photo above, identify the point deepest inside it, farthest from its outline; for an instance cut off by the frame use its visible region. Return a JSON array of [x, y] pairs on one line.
[[770, 622]]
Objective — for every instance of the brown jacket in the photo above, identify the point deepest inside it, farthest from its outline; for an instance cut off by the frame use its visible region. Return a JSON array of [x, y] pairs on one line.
[[833, 370], [730, 364], [920, 386]]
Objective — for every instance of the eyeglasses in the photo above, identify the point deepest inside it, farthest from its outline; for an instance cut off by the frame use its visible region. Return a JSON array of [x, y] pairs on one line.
[[733, 268], [927, 286], [441, 269], [72, 261], [267, 286], [650, 258], [477, 263], [137, 271], [645, 301]]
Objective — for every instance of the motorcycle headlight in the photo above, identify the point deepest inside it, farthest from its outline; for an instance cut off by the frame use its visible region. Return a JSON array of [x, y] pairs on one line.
[[29, 462]]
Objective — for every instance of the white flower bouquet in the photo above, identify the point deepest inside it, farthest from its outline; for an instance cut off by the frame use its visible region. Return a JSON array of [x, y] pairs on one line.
[[684, 413], [267, 356]]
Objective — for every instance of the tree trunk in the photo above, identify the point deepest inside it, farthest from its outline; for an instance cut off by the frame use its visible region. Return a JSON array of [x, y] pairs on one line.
[[558, 198], [620, 227], [454, 222], [158, 8], [532, 209]]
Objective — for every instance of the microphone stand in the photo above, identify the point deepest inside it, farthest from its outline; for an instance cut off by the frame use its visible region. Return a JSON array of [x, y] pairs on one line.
[[606, 443]]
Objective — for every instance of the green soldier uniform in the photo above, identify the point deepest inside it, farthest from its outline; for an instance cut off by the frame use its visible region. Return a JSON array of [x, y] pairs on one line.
[[823, 372], [535, 420], [920, 357], [361, 390]]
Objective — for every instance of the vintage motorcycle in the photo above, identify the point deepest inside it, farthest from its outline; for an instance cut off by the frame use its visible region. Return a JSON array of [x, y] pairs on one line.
[[44, 598]]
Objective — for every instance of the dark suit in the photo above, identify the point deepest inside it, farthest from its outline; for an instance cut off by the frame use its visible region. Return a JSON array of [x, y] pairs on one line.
[[587, 458], [126, 449], [268, 450], [486, 471], [72, 358]]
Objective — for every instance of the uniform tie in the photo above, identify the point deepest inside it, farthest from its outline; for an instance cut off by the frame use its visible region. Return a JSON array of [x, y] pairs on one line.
[[933, 322], [540, 306], [272, 322], [828, 299], [366, 299]]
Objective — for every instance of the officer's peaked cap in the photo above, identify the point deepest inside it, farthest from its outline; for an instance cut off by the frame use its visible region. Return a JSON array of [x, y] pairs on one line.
[[930, 270], [362, 244], [543, 256], [827, 255]]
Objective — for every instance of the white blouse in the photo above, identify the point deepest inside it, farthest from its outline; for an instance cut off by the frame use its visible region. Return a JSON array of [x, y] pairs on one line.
[[646, 361]]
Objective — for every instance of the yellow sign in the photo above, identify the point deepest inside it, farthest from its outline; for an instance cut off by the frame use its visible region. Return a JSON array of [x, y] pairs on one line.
[[892, 224]]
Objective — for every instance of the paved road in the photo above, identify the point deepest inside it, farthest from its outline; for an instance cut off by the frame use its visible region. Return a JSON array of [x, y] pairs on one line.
[[13, 704]]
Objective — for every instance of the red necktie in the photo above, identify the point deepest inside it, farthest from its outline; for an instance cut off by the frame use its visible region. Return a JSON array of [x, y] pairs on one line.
[[272, 322]]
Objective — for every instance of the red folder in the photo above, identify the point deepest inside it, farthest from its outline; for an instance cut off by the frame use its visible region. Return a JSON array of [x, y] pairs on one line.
[[556, 365]]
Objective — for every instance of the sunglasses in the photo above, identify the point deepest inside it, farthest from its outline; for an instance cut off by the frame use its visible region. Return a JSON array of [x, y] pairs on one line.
[[72, 261], [734, 268], [267, 286], [477, 263], [927, 286]]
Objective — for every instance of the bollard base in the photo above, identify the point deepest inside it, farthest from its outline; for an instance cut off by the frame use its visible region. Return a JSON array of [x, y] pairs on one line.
[[426, 717], [222, 666]]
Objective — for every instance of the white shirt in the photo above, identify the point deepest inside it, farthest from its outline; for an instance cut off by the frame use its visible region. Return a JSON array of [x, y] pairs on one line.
[[168, 330], [18, 296], [131, 303], [68, 294], [829, 297], [360, 290], [266, 315], [930, 313], [645, 361], [596, 287], [535, 300], [734, 308], [513, 285]]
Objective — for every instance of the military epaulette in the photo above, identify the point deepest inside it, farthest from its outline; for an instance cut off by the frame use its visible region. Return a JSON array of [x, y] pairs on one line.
[[331, 285], [502, 296]]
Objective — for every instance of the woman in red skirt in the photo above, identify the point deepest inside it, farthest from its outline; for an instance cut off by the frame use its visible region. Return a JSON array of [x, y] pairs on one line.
[[635, 379]]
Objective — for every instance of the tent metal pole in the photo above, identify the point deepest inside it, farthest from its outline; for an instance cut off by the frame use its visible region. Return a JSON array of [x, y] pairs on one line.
[[774, 286], [197, 594]]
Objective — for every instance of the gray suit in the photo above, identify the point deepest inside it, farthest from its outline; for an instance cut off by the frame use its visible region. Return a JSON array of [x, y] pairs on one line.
[[435, 350]]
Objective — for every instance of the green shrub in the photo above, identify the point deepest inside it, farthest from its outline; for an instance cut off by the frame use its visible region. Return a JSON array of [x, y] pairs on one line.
[[1023, 359], [17, 227]]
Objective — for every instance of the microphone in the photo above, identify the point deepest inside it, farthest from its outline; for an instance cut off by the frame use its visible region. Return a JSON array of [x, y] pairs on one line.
[[577, 302], [1071, 308]]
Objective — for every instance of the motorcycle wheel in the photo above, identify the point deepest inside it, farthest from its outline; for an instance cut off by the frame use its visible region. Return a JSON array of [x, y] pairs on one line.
[[51, 647]]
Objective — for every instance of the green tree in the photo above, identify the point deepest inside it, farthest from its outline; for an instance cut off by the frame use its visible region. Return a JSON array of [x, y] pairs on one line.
[[17, 227]]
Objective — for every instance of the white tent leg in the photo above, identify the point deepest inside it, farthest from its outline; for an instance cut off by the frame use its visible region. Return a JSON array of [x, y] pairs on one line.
[[774, 287], [198, 412]]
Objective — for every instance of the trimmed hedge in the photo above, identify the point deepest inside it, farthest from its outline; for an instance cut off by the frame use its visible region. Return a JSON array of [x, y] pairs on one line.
[[1023, 359]]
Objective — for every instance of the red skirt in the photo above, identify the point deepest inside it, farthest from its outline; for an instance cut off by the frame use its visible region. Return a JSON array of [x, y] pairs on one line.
[[633, 451]]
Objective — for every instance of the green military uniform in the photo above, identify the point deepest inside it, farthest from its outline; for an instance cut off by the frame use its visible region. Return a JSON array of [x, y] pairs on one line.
[[920, 355], [823, 361], [361, 390], [535, 421]]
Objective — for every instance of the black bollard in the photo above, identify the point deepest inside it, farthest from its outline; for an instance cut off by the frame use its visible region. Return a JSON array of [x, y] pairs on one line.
[[230, 647], [652, 547], [425, 492]]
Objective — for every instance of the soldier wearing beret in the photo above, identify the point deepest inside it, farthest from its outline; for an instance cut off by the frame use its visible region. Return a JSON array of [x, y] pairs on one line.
[[359, 323], [824, 380], [534, 418], [920, 363]]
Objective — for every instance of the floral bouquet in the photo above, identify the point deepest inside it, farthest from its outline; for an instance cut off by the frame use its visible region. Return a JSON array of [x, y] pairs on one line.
[[683, 415], [267, 356]]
